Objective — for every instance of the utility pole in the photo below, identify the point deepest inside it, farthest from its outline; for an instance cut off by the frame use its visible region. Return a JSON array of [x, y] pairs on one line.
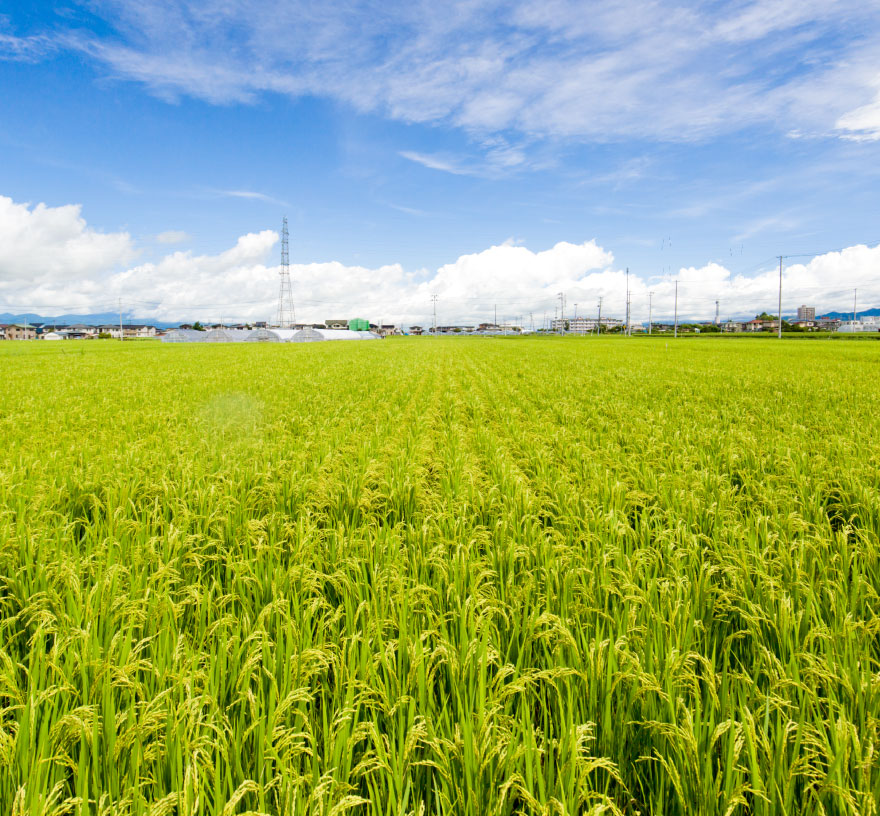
[[855, 302], [717, 321], [434, 301], [599, 321], [627, 331], [121, 335], [676, 310], [561, 297], [780, 297], [650, 309], [495, 319]]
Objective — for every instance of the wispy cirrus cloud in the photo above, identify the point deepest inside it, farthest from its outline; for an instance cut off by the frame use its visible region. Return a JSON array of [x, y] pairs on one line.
[[646, 69], [251, 195], [496, 157], [25, 49], [863, 123], [442, 162]]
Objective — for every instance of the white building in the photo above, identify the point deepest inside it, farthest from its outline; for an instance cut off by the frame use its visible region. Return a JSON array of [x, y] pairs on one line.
[[583, 325], [805, 313], [870, 323], [139, 331]]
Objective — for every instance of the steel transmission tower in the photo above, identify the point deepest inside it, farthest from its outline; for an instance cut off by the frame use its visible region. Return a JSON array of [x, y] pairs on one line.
[[286, 312]]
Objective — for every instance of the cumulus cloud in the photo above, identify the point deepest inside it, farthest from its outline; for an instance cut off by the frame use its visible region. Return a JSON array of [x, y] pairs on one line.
[[51, 262], [646, 69], [44, 250], [825, 282]]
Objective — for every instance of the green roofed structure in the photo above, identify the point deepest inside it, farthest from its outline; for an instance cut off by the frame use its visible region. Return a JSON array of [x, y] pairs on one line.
[[358, 324]]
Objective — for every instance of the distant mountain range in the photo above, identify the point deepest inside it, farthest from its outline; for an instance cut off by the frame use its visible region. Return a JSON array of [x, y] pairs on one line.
[[113, 318], [88, 319], [848, 315]]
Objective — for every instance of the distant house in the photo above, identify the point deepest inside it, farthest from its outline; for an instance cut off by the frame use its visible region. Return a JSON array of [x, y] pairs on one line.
[[762, 324], [828, 323], [139, 331], [384, 329], [416, 330], [18, 331], [108, 329], [79, 331], [336, 324]]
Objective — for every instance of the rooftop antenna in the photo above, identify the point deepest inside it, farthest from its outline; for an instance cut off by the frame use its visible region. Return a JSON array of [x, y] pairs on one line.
[[286, 312]]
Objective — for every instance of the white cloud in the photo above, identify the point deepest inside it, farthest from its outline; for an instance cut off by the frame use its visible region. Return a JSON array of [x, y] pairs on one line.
[[498, 158], [862, 124], [51, 262], [24, 49], [172, 237], [445, 163], [43, 249], [826, 282], [250, 195], [647, 69]]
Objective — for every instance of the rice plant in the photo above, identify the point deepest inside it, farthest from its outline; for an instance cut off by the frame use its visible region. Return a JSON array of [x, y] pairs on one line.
[[464, 576]]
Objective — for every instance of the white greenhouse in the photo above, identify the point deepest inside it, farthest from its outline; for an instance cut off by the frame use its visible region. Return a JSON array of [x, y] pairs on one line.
[[306, 335]]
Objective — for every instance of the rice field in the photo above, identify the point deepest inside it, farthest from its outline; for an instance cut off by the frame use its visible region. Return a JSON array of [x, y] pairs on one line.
[[440, 576]]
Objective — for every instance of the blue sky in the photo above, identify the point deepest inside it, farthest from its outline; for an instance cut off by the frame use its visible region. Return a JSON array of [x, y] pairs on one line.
[[404, 139]]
